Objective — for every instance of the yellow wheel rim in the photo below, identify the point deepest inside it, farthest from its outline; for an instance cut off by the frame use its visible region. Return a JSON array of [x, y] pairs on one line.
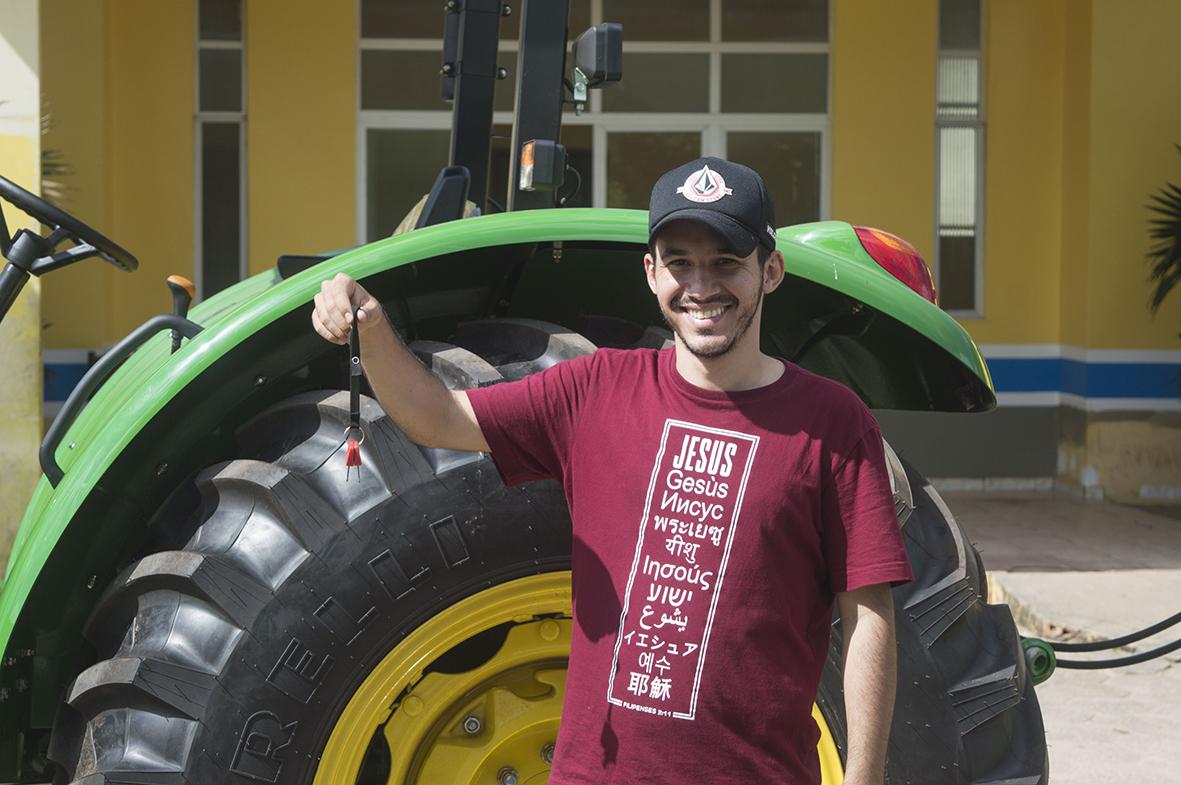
[[494, 722]]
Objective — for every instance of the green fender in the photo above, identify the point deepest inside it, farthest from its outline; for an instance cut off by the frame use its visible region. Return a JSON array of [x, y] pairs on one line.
[[826, 255]]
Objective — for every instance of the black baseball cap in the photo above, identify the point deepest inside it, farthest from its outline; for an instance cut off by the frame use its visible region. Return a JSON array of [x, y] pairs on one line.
[[730, 198]]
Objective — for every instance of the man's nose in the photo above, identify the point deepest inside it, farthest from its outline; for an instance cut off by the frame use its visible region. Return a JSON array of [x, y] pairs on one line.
[[700, 282]]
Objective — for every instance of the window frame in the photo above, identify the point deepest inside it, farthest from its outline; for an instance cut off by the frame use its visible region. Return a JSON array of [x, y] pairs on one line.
[[200, 118], [978, 125], [713, 125]]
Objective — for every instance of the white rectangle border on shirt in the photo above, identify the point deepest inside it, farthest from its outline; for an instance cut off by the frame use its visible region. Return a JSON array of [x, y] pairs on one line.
[[644, 520]]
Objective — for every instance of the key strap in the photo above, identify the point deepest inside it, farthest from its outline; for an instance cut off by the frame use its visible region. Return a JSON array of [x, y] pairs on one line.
[[355, 375], [354, 436]]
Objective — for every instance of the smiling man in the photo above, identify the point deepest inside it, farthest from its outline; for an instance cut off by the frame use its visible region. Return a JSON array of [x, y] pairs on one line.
[[722, 500]]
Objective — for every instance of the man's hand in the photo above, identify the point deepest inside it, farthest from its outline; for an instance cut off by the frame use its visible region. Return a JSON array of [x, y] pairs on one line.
[[425, 410], [333, 316], [867, 627]]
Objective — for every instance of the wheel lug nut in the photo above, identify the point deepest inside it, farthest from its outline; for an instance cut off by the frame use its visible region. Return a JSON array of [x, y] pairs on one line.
[[472, 724], [507, 776], [547, 753]]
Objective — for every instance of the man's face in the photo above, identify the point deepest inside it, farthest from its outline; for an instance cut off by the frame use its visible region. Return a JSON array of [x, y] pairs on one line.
[[709, 295]]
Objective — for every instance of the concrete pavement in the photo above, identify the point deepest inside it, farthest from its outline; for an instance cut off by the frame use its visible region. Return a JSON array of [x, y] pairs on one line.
[[1077, 570]]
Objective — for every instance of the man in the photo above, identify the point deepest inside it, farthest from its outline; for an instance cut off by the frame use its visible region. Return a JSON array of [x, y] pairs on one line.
[[720, 498]]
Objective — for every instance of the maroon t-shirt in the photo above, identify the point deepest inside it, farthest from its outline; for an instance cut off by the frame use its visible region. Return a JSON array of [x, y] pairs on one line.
[[711, 531]]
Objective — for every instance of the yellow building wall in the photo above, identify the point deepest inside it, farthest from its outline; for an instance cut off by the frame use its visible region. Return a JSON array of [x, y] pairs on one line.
[[20, 357], [76, 302], [1075, 145], [301, 115], [883, 116], [1023, 68], [120, 91], [20, 334], [1135, 121], [150, 84]]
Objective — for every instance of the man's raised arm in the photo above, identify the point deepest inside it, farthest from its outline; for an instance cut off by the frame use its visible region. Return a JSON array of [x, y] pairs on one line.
[[425, 410]]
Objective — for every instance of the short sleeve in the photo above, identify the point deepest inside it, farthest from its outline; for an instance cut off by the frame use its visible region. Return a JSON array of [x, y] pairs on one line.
[[529, 424], [862, 539]]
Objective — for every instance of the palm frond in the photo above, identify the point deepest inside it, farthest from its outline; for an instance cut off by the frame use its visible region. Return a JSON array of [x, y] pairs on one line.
[[55, 169], [1164, 257]]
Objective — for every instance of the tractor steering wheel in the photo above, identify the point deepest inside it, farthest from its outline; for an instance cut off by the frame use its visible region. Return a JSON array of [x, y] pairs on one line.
[[41, 258]]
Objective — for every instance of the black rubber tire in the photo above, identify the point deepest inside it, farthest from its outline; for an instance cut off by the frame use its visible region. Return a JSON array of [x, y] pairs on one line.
[[965, 709], [229, 658]]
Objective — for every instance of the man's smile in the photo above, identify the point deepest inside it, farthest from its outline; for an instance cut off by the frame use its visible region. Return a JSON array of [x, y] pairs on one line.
[[704, 312]]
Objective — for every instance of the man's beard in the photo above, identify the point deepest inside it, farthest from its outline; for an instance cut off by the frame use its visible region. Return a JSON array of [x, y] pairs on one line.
[[744, 319]]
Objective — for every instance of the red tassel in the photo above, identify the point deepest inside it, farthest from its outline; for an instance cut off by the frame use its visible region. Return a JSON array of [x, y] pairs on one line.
[[352, 454]]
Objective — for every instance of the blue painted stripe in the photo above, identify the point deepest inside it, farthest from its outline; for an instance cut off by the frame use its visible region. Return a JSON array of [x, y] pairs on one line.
[[1140, 380], [61, 379], [1087, 380], [1025, 375]]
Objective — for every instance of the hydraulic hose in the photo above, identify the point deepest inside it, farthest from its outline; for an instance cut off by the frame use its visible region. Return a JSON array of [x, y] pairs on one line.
[[1118, 662], [1114, 643]]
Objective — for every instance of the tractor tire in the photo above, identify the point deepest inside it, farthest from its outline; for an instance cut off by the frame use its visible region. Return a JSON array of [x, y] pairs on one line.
[[965, 708], [412, 625]]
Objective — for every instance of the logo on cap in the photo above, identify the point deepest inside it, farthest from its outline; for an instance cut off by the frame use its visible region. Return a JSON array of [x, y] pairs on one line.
[[704, 185]]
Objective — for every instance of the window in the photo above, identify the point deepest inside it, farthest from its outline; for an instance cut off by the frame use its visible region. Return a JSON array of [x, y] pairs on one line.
[[959, 161], [220, 143], [743, 79]]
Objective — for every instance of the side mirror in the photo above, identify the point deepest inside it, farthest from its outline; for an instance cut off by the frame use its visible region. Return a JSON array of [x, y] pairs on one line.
[[598, 59]]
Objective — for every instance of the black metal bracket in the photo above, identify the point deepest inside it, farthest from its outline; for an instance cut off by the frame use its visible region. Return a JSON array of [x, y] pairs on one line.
[[538, 110], [93, 380], [475, 73], [447, 197]]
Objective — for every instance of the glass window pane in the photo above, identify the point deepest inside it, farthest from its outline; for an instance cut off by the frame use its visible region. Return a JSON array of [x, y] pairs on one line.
[[790, 165], [660, 83], [784, 20], [660, 20], [959, 24], [400, 168], [401, 80], [577, 139], [958, 88], [957, 272], [775, 83], [502, 140], [957, 179], [221, 207], [402, 19], [506, 89], [220, 20], [221, 80], [635, 162], [576, 23], [957, 217], [425, 19]]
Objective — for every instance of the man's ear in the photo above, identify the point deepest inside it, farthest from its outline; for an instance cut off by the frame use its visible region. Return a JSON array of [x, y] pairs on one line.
[[650, 271], [773, 272]]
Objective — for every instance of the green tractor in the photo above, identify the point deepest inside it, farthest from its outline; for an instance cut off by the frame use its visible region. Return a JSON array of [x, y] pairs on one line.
[[198, 594]]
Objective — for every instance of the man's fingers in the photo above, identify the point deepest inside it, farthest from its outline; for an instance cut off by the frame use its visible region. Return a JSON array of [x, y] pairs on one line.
[[324, 332], [324, 326], [369, 309], [336, 305], [329, 319], [342, 301], [333, 314]]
